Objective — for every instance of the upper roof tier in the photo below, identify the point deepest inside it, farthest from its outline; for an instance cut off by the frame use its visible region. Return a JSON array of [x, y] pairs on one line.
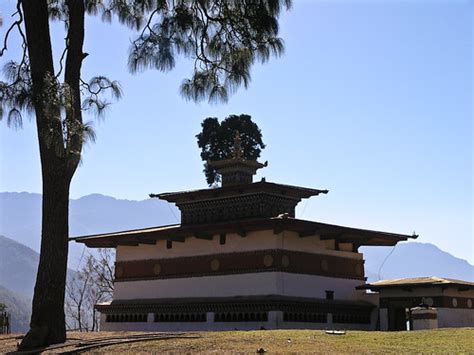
[[263, 186], [236, 170], [237, 202], [239, 197]]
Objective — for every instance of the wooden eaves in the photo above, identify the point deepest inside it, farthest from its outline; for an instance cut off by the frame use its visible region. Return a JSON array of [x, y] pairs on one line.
[[178, 233]]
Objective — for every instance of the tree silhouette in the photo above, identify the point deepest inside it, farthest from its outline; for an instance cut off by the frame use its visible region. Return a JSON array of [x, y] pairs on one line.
[[216, 141], [223, 38]]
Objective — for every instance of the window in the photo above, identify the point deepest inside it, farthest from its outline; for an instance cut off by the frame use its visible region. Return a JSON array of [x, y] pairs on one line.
[[121, 318], [179, 317], [222, 239], [241, 317], [305, 317], [329, 295], [169, 244]]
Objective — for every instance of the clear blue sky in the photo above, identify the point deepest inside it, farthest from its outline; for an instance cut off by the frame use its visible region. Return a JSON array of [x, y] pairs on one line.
[[372, 100]]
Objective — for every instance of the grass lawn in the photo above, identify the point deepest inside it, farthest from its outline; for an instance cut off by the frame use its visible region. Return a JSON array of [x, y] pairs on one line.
[[453, 341], [286, 341]]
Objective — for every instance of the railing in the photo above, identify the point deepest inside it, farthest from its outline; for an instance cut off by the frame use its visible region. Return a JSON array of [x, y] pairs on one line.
[[4, 323]]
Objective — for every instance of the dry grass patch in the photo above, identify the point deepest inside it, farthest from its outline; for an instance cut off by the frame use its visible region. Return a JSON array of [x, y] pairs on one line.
[[311, 341], [451, 341]]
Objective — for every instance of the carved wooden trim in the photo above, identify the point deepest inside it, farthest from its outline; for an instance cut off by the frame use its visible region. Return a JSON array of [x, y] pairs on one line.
[[243, 262], [438, 301]]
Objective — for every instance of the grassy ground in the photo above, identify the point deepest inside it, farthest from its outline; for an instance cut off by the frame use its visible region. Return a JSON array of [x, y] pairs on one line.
[[452, 341]]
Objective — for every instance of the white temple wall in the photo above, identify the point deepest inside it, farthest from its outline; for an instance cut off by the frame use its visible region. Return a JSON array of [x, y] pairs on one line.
[[262, 283], [452, 317], [300, 285], [258, 240]]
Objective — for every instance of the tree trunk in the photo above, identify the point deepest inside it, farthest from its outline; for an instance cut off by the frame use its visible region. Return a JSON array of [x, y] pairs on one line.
[[48, 320]]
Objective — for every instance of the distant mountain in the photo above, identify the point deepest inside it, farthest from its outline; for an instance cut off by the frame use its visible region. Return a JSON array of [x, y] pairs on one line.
[[19, 308], [20, 217], [18, 265], [414, 259]]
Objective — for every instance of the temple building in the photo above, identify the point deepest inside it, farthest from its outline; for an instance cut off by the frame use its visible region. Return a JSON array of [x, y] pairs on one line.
[[450, 302], [240, 259]]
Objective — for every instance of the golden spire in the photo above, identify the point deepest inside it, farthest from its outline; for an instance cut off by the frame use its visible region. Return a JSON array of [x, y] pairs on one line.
[[237, 151]]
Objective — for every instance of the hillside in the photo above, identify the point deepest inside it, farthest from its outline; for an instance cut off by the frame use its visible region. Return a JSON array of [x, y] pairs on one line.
[[24, 260], [19, 308], [20, 217], [414, 259]]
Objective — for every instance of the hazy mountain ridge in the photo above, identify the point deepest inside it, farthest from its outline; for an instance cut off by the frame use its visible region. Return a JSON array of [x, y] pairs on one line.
[[19, 308], [414, 259], [20, 217], [18, 266]]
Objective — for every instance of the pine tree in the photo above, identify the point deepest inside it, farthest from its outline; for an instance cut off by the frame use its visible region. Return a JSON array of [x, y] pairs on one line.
[[216, 141]]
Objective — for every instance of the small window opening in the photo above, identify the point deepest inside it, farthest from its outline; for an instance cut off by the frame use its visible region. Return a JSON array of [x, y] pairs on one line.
[[222, 239], [169, 244], [329, 295]]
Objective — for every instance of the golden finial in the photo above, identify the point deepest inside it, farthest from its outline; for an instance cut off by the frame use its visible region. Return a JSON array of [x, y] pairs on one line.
[[237, 151]]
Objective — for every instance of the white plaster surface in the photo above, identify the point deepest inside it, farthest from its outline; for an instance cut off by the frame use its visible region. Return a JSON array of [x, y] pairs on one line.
[[455, 317], [258, 240], [263, 283]]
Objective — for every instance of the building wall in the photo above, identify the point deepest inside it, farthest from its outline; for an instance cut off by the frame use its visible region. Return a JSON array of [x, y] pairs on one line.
[[427, 292], [455, 307], [262, 283], [383, 314], [275, 321], [451, 317], [253, 283], [258, 240]]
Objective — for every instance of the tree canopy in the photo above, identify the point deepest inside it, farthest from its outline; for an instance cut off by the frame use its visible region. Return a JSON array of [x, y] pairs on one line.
[[216, 141]]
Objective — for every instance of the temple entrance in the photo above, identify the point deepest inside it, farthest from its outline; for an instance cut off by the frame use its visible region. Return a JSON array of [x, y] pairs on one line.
[[397, 319]]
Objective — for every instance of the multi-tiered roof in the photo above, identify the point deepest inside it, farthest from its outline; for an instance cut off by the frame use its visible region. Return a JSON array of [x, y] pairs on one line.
[[240, 206]]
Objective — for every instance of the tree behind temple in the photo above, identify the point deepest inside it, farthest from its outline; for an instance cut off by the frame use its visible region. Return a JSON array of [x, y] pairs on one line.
[[216, 141]]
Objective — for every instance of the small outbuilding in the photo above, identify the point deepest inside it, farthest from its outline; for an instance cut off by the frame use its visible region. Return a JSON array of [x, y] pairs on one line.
[[452, 299]]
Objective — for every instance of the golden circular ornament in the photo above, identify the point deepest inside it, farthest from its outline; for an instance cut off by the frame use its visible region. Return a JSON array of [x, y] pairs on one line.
[[215, 264], [268, 260], [157, 269], [324, 265]]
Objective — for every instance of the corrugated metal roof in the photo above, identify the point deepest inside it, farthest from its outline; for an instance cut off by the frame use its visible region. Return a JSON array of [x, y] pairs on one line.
[[416, 281]]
